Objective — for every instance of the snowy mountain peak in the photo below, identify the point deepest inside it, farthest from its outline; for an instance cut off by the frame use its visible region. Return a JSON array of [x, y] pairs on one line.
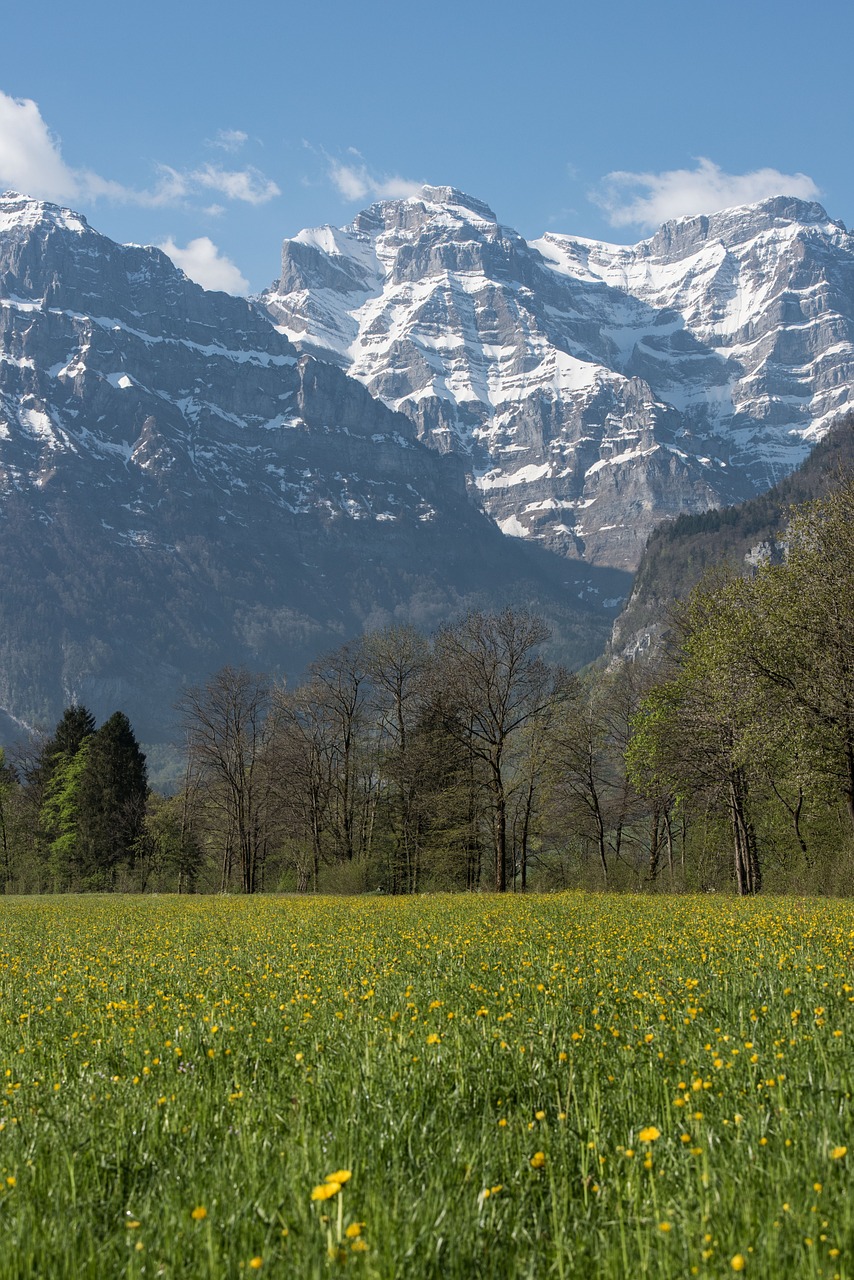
[[445, 196], [20, 211], [778, 214], [592, 388], [436, 209]]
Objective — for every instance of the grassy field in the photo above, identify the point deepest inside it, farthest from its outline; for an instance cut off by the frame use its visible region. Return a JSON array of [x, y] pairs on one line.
[[543, 1086]]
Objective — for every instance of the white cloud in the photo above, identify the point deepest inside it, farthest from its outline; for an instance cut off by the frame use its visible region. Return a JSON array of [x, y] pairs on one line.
[[248, 184], [648, 199], [356, 183], [203, 262], [31, 162], [30, 158], [229, 139]]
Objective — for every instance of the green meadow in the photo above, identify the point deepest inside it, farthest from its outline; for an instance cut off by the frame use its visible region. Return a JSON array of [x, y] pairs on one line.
[[443, 1086]]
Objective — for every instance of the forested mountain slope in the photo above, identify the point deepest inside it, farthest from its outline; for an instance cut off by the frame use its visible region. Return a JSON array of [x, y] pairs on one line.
[[680, 551]]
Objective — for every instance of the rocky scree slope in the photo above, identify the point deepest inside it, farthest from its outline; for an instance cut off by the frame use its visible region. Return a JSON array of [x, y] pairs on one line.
[[591, 390], [180, 488]]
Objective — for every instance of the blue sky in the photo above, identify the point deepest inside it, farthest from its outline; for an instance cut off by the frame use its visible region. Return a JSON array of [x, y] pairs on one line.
[[219, 128]]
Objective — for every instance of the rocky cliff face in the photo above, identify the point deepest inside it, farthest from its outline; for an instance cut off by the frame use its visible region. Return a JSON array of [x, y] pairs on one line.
[[180, 487], [592, 390]]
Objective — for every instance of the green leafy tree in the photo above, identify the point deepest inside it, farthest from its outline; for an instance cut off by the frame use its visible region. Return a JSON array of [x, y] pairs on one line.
[[693, 730], [802, 643], [60, 817]]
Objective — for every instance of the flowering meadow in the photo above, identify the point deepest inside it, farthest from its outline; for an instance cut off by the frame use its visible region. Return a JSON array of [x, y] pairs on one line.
[[443, 1086]]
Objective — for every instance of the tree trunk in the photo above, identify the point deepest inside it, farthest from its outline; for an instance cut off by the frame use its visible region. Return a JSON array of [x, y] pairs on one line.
[[500, 829], [747, 870], [654, 844], [668, 833]]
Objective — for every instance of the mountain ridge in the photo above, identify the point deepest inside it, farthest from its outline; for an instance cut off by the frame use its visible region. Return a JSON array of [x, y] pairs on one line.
[[588, 401]]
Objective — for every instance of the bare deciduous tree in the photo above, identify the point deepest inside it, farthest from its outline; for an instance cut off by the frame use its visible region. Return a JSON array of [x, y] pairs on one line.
[[225, 722], [487, 669]]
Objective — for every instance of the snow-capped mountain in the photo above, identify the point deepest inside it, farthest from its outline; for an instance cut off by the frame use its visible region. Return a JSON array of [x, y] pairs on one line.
[[180, 487], [591, 389]]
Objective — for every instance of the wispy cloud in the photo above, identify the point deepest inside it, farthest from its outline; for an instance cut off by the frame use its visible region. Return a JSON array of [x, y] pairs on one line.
[[648, 199], [229, 139], [202, 261], [31, 160], [248, 185], [354, 180]]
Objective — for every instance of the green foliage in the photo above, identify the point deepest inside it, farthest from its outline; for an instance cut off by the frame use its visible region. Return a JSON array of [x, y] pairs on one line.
[[60, 817], [756, 716], [679, 552]]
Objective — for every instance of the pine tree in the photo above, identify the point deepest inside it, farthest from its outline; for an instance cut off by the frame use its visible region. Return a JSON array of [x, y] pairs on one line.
[[113, 792]]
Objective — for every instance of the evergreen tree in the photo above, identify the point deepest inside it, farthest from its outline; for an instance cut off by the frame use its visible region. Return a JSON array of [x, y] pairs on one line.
[[76, 724], [113, 791]]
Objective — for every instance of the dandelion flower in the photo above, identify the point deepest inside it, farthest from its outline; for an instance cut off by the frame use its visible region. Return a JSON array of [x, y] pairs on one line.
[[649, 1134], [256, 1263], [355, 1229], [838, 1152], [199, 1213], [737, 1262], [325, 1191], [340, 1176], [538, 1159]]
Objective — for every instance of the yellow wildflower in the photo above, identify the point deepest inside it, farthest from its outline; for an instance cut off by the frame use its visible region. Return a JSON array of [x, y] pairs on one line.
[[325, 1190]]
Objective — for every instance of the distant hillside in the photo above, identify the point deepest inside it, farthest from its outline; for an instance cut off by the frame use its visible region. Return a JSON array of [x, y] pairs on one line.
[[680, 551]]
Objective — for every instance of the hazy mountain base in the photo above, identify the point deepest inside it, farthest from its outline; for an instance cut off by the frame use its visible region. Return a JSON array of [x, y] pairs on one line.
[[80, 622]]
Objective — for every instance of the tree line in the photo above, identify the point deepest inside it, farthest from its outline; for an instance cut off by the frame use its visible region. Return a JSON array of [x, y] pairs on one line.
[[464, 761]]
